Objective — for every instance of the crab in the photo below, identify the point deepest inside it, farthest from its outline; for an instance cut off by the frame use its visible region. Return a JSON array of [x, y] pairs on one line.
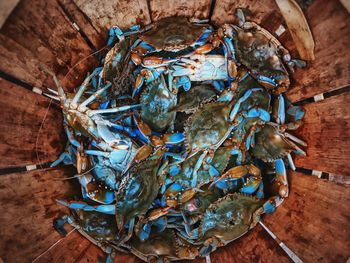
[[199, 94], [225, 220], [211, 125], [137, 190], [259, 51], [182, 38], [117, 68], [179, 183], [156, 101], [163, 246], [99, 229]]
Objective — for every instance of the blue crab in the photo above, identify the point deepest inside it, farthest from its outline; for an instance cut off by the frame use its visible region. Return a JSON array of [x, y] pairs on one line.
[[138, 190], [117, 69], [225, 220], [259, 51], [174, 36], [156, 101], [180, 181], [199, 94], [212, 124], [163, 246], [99, 229]]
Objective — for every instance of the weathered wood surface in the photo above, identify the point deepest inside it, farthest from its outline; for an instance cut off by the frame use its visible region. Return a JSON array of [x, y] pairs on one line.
[[97, 38], [69, 249], [105, 14], [224, 11], [314, 220], [36, 33], [165, 8], [255, 246], [22, 113], [76, 248], [326, 129], [329, 22], [28, 205]]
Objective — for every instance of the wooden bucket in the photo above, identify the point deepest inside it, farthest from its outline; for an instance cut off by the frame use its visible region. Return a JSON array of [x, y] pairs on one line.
[[64, 34]]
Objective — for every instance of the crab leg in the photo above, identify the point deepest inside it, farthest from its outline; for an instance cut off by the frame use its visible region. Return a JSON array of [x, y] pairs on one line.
[[106, 209], [82, 106], [114, 110], [61, 94], [290, 161], [197, 167], [71, 137], [83, 88]]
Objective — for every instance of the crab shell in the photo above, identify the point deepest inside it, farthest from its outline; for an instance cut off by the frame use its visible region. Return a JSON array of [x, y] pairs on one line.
[[116, 68], [255, 51], [189, 101], [137, 191], [230, 217], [99, 226], [173, 34], [156, 101], [206, 128], [165, 245], [201, 201], [260, 99], [270, 144], [220, 160]]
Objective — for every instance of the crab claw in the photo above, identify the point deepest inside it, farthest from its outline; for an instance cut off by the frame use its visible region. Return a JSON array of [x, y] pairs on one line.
[[106, 209]]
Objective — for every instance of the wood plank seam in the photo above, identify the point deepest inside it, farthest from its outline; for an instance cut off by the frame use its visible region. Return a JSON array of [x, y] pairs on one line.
[[286, 249], [150, 11], [211, 11], [76, 26]]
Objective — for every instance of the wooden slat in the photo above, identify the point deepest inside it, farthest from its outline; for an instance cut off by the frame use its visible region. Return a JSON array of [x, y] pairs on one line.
[[255, 246], [314, 220], [329, 22], [28, 208], [224, 11], [165, 8], [39, 33], [97, 38], [22, 113], [105, 14], [326, 129]]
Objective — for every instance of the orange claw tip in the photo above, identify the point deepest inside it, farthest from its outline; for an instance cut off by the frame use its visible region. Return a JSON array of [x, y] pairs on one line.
[[136, 59], [206, 48]]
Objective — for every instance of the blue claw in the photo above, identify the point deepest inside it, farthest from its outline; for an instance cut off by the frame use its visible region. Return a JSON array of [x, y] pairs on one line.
[[259, 113], [114, 32]]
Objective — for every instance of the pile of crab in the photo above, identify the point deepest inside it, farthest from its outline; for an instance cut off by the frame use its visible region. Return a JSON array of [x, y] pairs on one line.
[[180, 139]]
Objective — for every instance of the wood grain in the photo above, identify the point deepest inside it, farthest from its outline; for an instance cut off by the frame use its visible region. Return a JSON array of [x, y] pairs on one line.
[[255, 246], [105, 14], [39, 33], [326, 129], [28, 208], [329, 22], [22, 113], [165, 8], [224, 11], [314, 220]]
